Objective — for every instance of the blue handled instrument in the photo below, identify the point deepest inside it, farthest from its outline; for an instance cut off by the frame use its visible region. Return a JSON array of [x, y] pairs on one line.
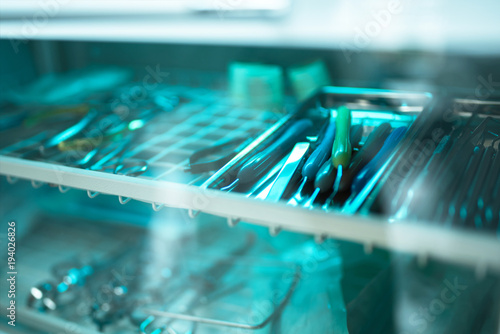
[[259, 164], [362, 178]]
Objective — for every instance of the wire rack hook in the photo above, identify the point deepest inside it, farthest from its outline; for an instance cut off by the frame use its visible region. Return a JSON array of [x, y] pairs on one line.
[[36, 184], [157, 207], [193, 213], [274, 230], [232, 222], [11, 179], [123, 200], [319, 238], [63, 189], [92, 194]]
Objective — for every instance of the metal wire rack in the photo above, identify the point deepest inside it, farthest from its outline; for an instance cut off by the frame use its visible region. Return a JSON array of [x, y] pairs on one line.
[[172, 137]]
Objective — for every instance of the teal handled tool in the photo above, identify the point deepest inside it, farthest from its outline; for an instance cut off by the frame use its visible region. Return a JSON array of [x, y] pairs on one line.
[[374, 165], [372, 146], [490, 207], [356, 134], [471, 207], [341, 154], [365, 180], [492, 211], [312, 165], [321, 153], [259, 164], [318, 166]]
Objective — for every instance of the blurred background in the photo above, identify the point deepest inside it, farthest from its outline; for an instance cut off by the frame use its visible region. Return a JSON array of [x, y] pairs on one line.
[[103, 105]]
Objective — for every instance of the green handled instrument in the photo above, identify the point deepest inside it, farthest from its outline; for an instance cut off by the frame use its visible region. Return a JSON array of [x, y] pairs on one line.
[[342, 148]]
